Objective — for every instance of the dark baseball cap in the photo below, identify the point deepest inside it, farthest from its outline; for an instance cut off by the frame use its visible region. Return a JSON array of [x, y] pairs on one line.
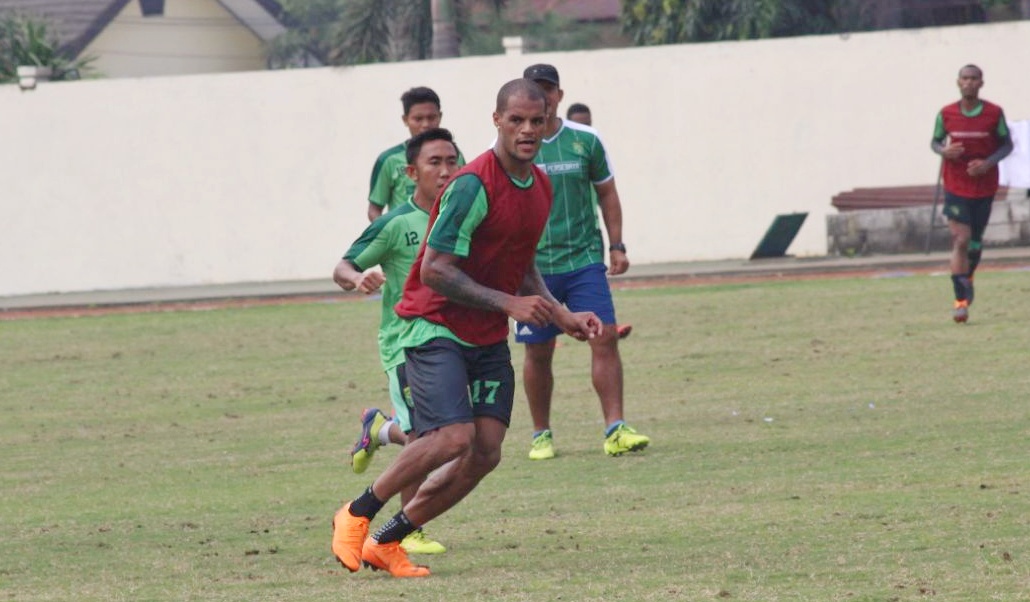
[[543, 72]]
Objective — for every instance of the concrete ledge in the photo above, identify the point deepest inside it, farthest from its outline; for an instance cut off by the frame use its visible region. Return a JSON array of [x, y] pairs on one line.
[[905, 230]]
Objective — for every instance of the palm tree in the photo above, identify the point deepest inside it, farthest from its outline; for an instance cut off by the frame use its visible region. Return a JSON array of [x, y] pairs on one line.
[[445, 29], [341, 32]]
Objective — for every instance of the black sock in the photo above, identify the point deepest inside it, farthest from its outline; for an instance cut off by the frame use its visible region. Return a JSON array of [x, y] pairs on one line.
[[395, 529], [961, 285], [974, 258], [366, 504]]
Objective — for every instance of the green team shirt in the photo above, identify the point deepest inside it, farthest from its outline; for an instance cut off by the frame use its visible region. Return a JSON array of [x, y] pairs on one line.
[[390, 185], [575, 159], [391, 241]]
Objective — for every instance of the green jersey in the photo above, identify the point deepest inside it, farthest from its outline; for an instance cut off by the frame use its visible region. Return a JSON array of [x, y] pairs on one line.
[[391, 241], [575, 160], [390, 186]]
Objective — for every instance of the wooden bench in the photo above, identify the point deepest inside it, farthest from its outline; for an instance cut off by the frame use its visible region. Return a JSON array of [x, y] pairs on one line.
[[891, 197]]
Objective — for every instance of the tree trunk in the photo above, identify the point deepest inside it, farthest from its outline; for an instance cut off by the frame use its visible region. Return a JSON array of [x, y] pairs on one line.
[[445, 30], [404, 35]]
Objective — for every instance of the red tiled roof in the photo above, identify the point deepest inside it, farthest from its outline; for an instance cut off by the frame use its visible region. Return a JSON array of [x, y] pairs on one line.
[[524, 11]]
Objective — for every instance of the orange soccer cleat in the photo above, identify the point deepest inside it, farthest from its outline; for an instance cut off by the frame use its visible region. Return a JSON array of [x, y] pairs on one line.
[[349, 533], [390, 557], [961, 312]]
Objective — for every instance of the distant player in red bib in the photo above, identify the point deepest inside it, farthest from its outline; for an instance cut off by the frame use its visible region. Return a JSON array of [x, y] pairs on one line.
[[972, 137], [475, 271]]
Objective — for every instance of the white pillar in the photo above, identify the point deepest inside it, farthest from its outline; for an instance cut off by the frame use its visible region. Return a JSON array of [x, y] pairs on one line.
[[29, 75], [512, 45]]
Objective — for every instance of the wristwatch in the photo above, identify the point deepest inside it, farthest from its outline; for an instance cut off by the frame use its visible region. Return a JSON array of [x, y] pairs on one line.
[[618, 246]]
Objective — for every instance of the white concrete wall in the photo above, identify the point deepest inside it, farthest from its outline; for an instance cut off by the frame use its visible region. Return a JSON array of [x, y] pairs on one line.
[[263, 176]]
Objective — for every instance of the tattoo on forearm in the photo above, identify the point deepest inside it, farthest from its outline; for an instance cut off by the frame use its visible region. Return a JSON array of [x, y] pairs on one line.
[[458, 287]]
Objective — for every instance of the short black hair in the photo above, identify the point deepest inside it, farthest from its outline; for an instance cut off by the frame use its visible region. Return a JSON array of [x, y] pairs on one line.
[[577, 107], [979, 71], [419, 95], [520, 86], [414, 146]]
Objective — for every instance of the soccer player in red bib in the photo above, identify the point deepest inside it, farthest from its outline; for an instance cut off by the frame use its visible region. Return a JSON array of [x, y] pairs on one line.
[[971, 137], [475, 271]]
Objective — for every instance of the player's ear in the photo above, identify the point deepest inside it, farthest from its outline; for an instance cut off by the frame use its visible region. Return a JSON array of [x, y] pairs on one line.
[[497, 119], [412, 172]]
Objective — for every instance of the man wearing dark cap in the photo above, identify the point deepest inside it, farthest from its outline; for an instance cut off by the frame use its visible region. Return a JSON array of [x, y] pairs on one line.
[[571, 258]]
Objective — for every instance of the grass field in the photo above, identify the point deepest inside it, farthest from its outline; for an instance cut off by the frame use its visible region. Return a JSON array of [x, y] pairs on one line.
[[817, 440]]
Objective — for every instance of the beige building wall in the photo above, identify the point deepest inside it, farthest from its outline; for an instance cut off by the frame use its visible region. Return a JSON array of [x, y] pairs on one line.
[[193, 36], [263, 176]]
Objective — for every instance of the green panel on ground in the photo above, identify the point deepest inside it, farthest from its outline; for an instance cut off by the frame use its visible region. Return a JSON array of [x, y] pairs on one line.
[[779, 235]]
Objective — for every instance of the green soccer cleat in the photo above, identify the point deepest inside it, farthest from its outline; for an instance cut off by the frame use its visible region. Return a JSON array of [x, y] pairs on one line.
[[625, 439], [543, 446], [417, 543], [372, 420]]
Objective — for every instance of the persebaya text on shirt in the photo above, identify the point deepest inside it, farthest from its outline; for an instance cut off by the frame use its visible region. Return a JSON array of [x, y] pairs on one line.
[[562, 167]]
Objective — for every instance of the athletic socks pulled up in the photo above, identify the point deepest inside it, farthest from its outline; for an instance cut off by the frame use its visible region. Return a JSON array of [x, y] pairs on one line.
[[961, 284], [395, 529], [974, 254], [366, 504]]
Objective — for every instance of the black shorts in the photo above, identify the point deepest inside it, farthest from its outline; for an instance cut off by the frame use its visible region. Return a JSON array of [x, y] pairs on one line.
[[974, 213], [452, 384]]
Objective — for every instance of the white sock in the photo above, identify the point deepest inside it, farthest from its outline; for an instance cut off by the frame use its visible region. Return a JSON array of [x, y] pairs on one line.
[[384, 433]]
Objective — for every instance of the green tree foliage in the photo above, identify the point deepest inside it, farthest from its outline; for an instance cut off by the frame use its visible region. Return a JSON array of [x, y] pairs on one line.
[[346, 32], [28, 41], [673, 21]]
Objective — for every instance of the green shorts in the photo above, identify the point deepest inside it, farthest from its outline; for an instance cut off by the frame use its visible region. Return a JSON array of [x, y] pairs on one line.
[[400, 397]]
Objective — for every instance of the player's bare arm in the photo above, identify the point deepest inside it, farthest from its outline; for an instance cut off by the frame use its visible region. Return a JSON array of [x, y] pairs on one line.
[[442, 272], [611, 212], [533, 284], [374, 211], [581, 325], [350, 278]]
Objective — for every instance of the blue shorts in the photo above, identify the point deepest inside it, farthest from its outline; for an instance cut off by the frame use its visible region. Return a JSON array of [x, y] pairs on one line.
[[453, 384], [400, 397], [585, 289]]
